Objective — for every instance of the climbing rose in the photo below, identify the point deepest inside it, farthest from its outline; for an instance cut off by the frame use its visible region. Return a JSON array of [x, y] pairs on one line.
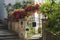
[[36, 6]]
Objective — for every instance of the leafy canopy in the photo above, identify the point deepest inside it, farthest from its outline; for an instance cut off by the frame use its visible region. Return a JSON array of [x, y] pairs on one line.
[[52, 10]]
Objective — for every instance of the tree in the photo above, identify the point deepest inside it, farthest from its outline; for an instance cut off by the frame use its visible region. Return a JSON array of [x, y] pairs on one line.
[[51, 9]]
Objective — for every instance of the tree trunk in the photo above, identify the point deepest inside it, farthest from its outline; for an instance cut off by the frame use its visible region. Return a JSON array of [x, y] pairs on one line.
[[44, 34]]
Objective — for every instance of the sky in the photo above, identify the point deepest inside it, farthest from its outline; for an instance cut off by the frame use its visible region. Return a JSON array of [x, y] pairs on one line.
[[9, 1], [13, 1]]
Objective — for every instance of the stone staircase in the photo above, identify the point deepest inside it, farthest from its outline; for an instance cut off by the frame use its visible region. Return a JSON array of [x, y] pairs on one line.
[[6, 34]]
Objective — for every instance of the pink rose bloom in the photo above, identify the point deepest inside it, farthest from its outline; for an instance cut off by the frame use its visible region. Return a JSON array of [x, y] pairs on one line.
[[36, 6], [17, 17], [28, 9]]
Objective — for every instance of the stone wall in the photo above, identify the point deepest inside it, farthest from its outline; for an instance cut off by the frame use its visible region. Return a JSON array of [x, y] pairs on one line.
[[17, 27], [50, 36]]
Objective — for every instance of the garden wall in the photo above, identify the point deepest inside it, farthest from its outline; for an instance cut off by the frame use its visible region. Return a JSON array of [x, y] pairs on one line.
[[50, 36], [18, 28]]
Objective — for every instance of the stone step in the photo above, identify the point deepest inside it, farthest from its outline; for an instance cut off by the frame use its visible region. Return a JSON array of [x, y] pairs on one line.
[[35, 37], [3, 26], [5, 34], [10, 39]]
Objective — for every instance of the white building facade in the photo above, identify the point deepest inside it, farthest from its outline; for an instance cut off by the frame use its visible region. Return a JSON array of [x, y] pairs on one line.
[[35, 17]]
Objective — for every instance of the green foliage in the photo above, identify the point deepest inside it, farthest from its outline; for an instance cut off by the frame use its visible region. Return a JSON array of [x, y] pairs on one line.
[[52, 10], [17, 5], [54, 23], [9, 8], [40, 29], [31, 31], [27, 2]]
